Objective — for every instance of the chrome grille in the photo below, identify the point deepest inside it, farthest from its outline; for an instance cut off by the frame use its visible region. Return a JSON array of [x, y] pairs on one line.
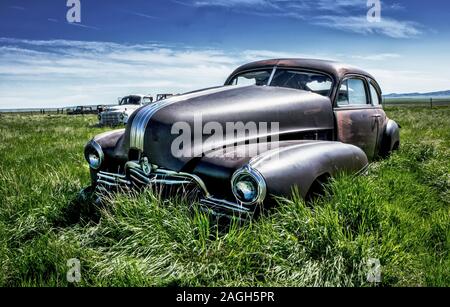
[[110, 118], [112, 180], [135, 177]]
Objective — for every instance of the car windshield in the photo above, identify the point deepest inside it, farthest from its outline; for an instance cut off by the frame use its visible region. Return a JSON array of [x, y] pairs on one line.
[[302, 80], [130, 100]]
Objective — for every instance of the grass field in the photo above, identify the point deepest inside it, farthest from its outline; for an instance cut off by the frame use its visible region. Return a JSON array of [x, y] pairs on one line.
[[417, 102], [398, 213]]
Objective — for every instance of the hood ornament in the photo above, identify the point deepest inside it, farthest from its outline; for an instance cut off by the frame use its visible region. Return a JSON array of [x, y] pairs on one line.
[[145, 165]]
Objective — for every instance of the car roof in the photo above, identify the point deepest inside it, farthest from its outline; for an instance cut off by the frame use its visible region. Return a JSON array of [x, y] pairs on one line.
[[333, 68], [138, 95]]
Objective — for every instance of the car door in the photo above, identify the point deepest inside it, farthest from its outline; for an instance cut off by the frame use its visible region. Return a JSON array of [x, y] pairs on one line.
[[376, 100], [356, 118]]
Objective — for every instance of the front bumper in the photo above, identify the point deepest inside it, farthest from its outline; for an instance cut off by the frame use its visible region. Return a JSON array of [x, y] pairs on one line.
[[137, 175]]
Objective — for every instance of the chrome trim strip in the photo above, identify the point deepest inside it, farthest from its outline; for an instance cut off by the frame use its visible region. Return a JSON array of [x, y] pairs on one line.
[[224, 204], [144, 115], [272, 75], [115, 179], [170, 182], [197, 179]]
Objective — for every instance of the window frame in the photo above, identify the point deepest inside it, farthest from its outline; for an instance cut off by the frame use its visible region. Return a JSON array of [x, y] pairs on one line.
[[377, 88], [353, 106], [294, 68], [146, 97]]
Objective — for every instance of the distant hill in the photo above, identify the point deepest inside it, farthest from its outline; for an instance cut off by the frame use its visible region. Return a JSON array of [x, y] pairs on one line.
[[440, 94]]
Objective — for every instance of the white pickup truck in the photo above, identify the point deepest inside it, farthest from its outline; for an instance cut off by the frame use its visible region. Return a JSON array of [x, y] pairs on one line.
[[118, 115]]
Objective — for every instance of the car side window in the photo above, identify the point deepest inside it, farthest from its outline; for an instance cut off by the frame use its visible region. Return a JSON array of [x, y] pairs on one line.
[[147, 100], [374, 95], [352, 92], [343, 94]]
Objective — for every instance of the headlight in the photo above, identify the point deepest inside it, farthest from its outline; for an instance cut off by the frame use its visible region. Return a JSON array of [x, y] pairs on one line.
[[93, 154], [248, 186]]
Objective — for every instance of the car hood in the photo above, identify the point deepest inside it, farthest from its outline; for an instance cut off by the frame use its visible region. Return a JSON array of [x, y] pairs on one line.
[[156, 129], [123, 108]]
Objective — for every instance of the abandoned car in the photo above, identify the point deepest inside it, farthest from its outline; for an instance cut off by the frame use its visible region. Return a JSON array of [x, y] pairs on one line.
[[324, 117], [119, 115]]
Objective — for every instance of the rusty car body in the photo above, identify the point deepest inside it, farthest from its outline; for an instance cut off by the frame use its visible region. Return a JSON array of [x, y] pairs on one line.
[[329, 117]]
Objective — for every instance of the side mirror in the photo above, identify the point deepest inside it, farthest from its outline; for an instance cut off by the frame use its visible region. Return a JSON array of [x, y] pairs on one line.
[[119, 99]]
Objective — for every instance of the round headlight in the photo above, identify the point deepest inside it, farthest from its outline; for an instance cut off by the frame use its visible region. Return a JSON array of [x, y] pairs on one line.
[[94, 155], [94, 160], [248, 186]]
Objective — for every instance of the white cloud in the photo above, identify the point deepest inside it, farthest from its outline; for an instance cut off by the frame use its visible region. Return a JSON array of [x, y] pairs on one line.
[[377, 56], [57, 73], [387, 26], [346, 15], [409, 81]]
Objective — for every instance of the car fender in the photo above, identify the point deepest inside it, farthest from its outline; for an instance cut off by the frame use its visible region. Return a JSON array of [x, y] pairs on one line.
[[390, 139], [108, 140], [299, 166]]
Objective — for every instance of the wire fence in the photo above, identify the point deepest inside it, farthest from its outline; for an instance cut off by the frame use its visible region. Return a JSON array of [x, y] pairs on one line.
[[80, 110], [417, 102]]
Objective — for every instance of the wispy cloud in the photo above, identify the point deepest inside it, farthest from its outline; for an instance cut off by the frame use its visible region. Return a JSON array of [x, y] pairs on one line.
[[16, 7], [60, 72], [64, 72], [387, 26], [57, 73], [82, 25], [377, 57], [346, 15], [141, 14]]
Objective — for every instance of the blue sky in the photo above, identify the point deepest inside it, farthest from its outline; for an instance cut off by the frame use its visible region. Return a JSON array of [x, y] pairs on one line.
[[138, 46]]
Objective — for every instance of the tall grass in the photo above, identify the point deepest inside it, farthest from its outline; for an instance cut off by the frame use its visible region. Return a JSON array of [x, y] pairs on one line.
[[398, 213]]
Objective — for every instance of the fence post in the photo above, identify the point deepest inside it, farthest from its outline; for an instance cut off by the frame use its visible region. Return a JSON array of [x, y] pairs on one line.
[[431, 102]]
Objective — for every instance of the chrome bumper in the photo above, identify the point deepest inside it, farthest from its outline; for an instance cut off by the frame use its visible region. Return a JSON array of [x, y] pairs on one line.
[[136, 177]]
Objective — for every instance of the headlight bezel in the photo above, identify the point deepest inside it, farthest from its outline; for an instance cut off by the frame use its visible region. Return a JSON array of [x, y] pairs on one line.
[[259, 184], [94, 148]]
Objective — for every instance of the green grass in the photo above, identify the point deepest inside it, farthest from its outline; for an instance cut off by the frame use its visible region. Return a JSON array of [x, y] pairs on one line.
[[399, 213]]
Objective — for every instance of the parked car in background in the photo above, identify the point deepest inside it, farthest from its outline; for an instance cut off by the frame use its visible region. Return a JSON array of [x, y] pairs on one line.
[[163, 96], [329, 121], [81, 110], [101, 108], [119, 115]]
